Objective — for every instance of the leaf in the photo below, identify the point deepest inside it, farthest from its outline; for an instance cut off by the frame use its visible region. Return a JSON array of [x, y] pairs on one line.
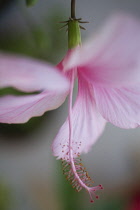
[[30, 2]]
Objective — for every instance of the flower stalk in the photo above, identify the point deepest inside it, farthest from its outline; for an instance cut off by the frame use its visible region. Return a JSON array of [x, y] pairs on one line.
[[74, 34], [73, 9]]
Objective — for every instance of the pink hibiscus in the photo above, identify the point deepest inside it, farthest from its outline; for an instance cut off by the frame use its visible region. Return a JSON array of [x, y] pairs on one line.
[[108, 72]]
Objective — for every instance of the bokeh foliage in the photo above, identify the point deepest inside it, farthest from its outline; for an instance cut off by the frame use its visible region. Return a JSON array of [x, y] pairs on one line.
[[5, 197], [30, 2]]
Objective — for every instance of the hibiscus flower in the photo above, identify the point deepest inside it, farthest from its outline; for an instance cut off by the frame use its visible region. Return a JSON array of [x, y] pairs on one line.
[[108, 72]]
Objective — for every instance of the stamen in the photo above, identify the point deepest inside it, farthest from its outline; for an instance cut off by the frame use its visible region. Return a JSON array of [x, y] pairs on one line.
[[73, 168], [82, 176]]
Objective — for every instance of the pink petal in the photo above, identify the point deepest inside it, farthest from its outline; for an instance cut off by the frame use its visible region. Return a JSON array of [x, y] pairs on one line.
[[112, 58], [61, 66], [87, 124], [119, 106], [30, 75], [19, 109]]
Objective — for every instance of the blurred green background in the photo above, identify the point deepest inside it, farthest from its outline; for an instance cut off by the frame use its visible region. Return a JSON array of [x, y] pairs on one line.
[[30, 177]]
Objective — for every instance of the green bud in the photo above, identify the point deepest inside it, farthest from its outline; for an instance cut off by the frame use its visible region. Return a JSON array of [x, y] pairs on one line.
[[30, 2], [74, 34]]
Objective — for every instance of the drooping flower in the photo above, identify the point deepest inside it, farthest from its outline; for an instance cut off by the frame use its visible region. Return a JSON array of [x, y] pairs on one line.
[[108, 72]]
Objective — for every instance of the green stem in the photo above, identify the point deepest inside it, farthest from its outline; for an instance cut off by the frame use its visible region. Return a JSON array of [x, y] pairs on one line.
[[74, 34], [73, 9]]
